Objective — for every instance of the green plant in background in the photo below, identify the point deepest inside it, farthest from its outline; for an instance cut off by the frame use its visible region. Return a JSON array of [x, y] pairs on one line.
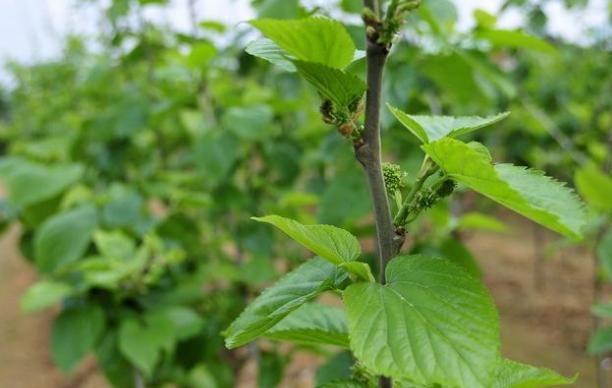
[[133, 172], [595, 186], [425, 321], [129, 172]]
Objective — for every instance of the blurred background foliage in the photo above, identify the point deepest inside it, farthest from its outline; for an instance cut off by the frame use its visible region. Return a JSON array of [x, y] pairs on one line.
[[133, 162]]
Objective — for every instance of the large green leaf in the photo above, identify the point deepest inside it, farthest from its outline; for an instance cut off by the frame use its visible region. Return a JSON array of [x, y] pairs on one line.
[[431, 323], [331, 243], [595, 187], [312, 324], [44, 294], [266, 49], [313, 39], [63, 238], [341, 88], [511, 374], [514, 39], [29, 183], [296, 288], [431, 128], [528, 192], [75, 332]]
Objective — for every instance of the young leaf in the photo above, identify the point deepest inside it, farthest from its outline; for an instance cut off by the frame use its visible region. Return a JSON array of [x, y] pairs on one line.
[[431, 323], [75, 332], [29, 183], [601, 341], [431, 128], [63, 238], [511, 374], [312, 324], [331, 243], [528, 192], [268, 50], [341, 88], [595, 187], [44, 294], [313, 39], [293, 290]]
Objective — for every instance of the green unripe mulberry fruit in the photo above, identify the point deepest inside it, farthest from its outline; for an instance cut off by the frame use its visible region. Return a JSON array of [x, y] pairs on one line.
[[394, 177]]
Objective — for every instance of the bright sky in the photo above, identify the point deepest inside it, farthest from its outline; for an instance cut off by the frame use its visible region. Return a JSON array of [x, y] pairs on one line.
[[32, 30]]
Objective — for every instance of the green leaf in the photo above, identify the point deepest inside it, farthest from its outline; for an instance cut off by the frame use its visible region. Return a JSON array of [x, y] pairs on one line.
[[515, 39], [431, 323], [511, 374], [360, 269], [201, 54], [431, 128], [293, 290], [331, 243], [137, 346], [312, 324], [459, 78], [29, 183], [313, 39], [63, 238], [266, 49], [117, 369], [341, 88], [480, 221], [601, 341], [44, 294], [186, 321], [528, 192], [141, 342], [249, 123], [595, 187], [75, 332], [114, 245], [337, 367]]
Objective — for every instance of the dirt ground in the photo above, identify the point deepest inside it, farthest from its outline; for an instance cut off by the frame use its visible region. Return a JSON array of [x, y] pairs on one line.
[[546, 325]]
